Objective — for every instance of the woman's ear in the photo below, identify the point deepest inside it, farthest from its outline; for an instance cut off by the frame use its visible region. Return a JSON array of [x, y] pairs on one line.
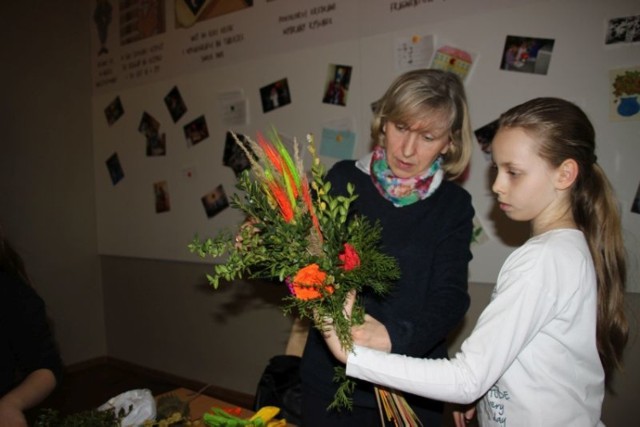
[[567, 174]]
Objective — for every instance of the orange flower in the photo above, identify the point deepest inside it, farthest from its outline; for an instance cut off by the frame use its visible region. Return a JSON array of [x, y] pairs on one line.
[[308, 281], [349, 257]]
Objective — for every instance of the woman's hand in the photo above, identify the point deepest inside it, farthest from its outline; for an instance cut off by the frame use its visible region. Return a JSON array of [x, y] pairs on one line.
[[329, 332], [372, 334], [332, 340]]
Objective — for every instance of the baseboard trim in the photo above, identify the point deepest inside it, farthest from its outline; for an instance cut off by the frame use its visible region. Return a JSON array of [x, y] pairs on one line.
[[243, 400]]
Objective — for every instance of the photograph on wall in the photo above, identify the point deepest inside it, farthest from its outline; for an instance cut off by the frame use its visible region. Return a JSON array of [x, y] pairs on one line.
[[484, 136], [114, 111], [175, 104], [148, 126], [215, 201], [275, 95], [449, 58], [623, 30], [196, 130], [337, 85], [527, 54], [413, 52], [188, 12], [141, 19], [234, 156], [624, 104], [157, 145], [115, 168], [161, 196]]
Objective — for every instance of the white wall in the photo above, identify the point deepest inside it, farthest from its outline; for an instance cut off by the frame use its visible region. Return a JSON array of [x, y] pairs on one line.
[[128, 225]]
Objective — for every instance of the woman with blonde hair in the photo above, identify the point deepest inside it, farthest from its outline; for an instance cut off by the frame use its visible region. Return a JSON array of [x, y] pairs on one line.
[[422, 143]]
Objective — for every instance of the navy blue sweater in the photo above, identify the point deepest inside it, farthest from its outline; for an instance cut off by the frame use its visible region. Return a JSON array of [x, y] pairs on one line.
[[430, 239]]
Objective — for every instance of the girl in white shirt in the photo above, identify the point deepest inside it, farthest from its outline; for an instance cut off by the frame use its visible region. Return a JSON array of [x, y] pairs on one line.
[[555, 328]]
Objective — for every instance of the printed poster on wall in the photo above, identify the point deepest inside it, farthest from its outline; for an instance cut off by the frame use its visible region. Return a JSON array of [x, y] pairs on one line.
[[136, 42]]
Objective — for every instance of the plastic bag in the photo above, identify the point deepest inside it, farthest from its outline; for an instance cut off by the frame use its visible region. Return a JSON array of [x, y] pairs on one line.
[[138, 405]]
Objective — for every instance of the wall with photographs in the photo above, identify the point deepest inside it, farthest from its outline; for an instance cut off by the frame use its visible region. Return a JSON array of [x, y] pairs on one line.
[[165, 100]]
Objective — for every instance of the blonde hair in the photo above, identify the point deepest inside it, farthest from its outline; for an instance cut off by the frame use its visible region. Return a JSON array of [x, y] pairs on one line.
[[417, 94], [564, 131]]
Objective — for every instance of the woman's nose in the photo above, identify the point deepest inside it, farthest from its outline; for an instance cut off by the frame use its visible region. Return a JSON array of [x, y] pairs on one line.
[[409, 144]]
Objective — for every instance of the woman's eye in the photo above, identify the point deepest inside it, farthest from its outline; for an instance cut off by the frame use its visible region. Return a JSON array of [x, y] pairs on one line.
[[401, 127], [428, 138]]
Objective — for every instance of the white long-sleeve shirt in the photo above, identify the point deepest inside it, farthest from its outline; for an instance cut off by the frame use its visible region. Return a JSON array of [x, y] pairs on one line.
[[532, 356]]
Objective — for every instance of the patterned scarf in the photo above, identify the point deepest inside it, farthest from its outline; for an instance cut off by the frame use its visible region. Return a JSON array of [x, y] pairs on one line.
[[401, 191]]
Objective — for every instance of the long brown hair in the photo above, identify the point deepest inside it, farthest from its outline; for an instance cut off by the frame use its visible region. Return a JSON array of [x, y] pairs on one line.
[[565, 132]]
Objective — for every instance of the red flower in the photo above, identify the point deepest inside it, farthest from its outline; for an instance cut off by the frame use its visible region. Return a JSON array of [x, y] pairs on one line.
[[349, 257], [308, 281]]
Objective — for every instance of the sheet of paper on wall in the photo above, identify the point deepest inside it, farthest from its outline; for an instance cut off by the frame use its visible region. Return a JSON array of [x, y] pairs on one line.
[[452, 59], [233, 108], [624, 98], [413, 52], [338, 139]]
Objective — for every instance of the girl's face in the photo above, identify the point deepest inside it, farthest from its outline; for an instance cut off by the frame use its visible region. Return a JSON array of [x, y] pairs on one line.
[[525, 184], [412, 148]]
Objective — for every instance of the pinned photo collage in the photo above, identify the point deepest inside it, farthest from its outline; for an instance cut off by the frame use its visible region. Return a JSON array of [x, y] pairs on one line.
[[519, 53]]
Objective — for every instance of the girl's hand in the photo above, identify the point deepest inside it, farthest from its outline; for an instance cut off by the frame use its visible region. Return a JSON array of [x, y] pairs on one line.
[[462, 417]]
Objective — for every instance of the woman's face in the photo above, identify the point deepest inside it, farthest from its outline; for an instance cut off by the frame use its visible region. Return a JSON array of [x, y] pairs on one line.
[[412, 148]]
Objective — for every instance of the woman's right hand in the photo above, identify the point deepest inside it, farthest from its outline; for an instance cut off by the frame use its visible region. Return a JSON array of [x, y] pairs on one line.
[[329, 332]]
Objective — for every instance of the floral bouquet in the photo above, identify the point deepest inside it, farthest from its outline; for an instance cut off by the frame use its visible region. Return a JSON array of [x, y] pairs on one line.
[[301, 234]]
